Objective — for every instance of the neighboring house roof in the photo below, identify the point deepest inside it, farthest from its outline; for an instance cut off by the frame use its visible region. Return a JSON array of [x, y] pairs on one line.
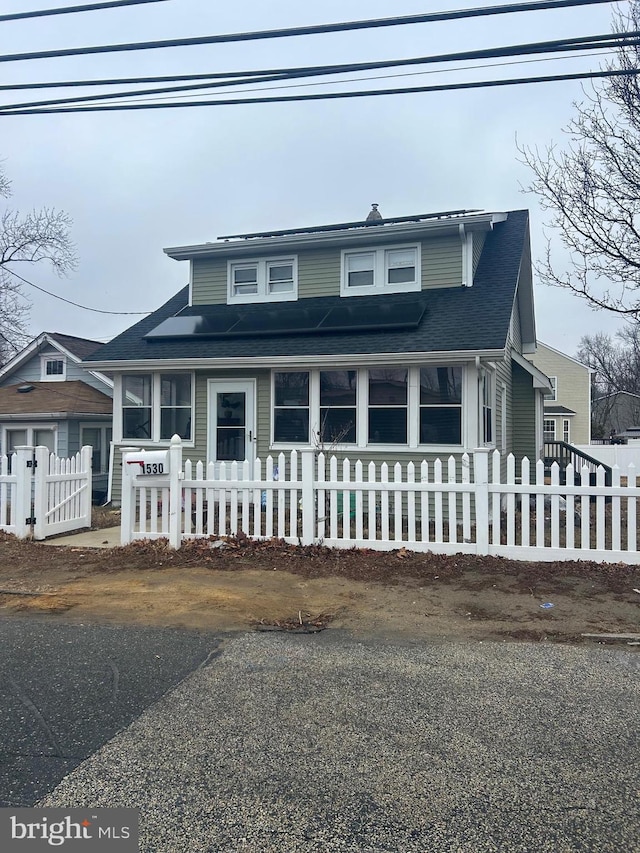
[[74, 348], [554, 409], [456, 319], [82, 347], [616, 394], [59, 398]]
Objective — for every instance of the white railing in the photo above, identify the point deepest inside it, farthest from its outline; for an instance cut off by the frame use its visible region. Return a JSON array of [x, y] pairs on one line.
[[461, 505], [44, 494]]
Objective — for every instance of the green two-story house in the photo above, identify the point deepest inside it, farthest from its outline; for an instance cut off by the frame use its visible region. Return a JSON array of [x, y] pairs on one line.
[[383, 339]]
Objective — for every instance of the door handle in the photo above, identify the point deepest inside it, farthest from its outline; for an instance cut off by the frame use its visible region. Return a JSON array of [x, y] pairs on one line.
[[250, 436]]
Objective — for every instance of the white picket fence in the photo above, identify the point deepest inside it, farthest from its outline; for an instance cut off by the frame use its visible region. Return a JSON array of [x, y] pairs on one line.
[[44, 494], [452, 507]]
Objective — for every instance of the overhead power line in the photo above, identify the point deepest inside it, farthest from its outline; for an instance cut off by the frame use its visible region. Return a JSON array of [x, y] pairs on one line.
[[68, 10], [317, 29], [327, 96], [70, 302], [608, 40]]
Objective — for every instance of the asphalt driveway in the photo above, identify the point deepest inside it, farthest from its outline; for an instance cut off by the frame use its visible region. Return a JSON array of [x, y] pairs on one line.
[[320, 743], [66, 689]]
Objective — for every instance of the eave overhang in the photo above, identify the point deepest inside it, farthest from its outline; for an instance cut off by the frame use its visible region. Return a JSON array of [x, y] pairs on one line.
[[353, 360], [342, 238], [540, 380]]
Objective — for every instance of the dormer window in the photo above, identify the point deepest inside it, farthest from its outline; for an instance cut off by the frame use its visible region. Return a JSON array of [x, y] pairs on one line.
[[270, 280], [53, 368], [387, 270]]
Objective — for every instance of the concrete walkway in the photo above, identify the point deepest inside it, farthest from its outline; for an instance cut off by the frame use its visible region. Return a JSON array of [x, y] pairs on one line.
[[107, 538]]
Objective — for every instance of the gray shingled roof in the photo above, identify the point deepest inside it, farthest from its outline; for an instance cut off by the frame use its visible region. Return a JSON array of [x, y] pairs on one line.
[[80, 347], [455, 319]]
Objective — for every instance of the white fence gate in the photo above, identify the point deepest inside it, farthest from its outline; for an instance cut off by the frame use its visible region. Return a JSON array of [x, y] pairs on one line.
[[42, 494], [451, 507]]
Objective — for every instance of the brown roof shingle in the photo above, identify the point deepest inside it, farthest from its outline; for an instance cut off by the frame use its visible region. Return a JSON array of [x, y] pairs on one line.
[[65, 397]]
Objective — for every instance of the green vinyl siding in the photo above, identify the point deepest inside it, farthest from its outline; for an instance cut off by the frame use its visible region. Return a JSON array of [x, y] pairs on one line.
[[523, 415], [319, 271], [441, 262], [208, 281]]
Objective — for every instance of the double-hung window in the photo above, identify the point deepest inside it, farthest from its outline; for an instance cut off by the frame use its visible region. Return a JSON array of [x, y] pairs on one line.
[[338, 406], [486, 406], [549, 427], [291, 409], [372, 407], [384, 270], [388, 401], [441, 405], [157, 406], [270, 280]]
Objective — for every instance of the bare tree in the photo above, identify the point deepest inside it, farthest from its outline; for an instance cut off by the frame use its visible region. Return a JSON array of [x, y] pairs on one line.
[[615, 362], [25, 239], [591, 187]]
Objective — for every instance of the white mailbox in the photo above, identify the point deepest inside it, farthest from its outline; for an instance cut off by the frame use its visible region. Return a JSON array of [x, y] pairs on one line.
[[147, 463]]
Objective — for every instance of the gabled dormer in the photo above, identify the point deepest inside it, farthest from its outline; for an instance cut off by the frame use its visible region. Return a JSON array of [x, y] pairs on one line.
[[375, 256]]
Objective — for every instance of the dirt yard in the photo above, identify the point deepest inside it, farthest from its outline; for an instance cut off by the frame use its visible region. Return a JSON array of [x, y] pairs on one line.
[[240, 585]]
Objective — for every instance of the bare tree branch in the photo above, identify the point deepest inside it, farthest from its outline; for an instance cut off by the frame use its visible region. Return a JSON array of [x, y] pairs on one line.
[[41, 236], [591, 189]]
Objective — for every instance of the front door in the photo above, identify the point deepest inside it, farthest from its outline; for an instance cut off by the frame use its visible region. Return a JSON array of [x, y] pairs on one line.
[[232, 421]]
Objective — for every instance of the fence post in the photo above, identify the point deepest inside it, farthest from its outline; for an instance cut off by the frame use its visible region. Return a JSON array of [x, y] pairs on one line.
[[308, 498], [40, 502], [23, 491], [175, 492], [127, 504], [86, 466], [481, 490]]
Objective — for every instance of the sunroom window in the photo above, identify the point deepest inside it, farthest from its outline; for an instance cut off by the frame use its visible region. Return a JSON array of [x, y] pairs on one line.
[[175, 406], [388, 400], [441, 405], [338, 406], [157, 406], [291, 410], [136, 406]]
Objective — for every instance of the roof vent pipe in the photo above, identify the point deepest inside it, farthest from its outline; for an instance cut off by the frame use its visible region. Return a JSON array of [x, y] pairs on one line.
[[374, 214]]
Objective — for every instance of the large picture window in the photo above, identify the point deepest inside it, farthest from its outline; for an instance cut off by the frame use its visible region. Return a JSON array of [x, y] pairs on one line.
[[441, 405], [157, 406]]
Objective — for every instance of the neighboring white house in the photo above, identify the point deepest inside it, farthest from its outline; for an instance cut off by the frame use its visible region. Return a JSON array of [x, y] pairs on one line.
[[47, 398], [567, 407]]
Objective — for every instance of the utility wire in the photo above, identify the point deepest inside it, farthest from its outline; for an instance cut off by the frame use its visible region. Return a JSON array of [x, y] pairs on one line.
[[480, 67], [214, 75], [67, 10], [615, 41], [317, 29], [70, 302], [326, 96]]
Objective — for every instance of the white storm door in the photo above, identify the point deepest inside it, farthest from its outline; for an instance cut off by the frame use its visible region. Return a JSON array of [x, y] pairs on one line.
[[232, 428]]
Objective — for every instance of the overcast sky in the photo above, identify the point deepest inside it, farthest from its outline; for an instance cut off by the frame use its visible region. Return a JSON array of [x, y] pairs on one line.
[[137, 182]]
